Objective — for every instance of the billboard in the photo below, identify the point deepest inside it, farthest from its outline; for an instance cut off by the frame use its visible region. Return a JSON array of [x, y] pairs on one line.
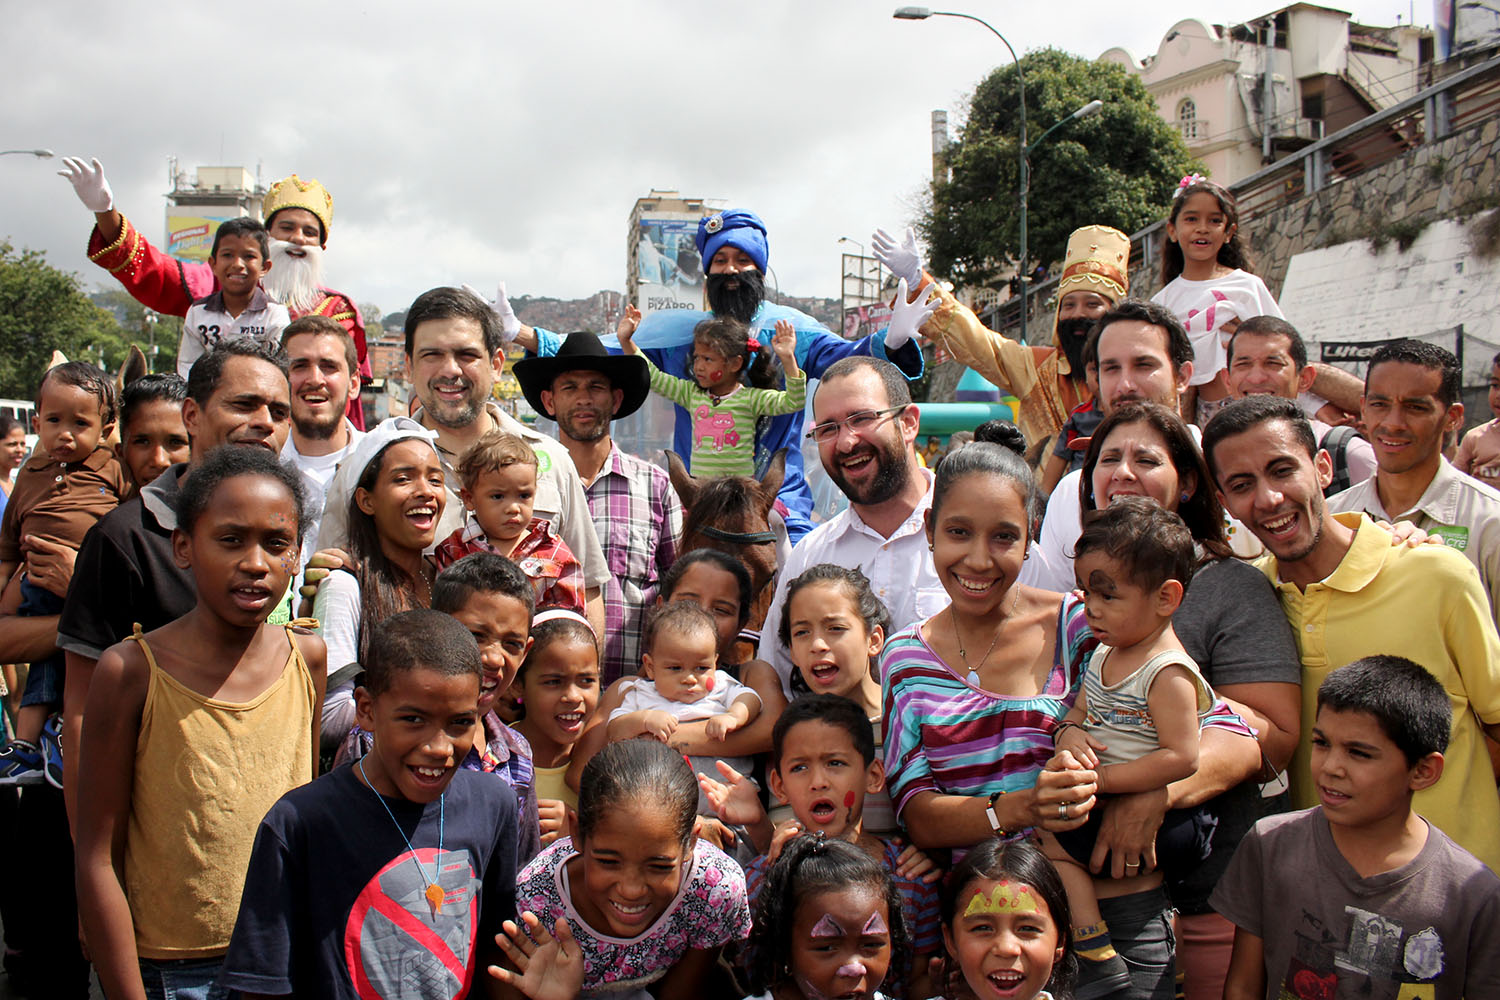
[[668, 270], [191, 236], [1464, 25]]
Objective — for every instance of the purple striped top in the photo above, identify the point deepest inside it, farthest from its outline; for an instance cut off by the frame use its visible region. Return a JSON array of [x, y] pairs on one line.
[[945, 735]]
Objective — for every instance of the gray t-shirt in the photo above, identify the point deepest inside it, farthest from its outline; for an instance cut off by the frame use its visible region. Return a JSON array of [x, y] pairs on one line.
[[1429, 929], [1232, 625]]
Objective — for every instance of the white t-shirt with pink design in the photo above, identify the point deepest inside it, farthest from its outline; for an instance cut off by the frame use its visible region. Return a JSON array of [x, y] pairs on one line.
[[1203, 307], [709, 911]]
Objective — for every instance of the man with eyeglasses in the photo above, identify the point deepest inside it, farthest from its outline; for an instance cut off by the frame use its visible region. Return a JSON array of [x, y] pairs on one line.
[[865, 426]]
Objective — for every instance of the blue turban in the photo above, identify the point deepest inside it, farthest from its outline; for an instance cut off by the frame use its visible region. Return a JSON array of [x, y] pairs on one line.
[[735, 227]]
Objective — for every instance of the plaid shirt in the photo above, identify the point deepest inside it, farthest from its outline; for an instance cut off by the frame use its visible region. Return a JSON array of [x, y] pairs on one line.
[[639, 521], [542, 556]]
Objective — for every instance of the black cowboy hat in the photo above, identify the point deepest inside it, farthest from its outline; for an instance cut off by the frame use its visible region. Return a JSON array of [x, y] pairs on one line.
[[583, 351]]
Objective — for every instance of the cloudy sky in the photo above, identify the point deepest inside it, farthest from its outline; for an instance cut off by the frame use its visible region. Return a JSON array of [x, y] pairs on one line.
[[468, 141]]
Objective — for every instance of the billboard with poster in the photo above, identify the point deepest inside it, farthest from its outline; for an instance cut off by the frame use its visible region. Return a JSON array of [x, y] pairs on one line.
[[191, 236], [667, 271]]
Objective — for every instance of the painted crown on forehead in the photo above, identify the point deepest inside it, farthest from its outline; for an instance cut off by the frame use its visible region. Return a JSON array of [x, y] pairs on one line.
[[1006, 897]]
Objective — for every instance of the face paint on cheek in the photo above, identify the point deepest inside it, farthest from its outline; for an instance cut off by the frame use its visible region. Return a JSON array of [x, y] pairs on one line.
[[849, 807], [808, 990], [715, 375], [708, 684], [827, 927]]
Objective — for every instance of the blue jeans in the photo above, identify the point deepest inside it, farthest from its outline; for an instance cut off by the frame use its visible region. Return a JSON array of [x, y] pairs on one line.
[[1140, 926], [183, 979], [44, 680]]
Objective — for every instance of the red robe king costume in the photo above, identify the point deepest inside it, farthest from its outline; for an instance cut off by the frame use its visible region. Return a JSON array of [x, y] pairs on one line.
[[168, 285]]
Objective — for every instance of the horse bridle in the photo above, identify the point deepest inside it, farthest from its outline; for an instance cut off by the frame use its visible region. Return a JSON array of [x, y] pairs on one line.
[[738, 537]]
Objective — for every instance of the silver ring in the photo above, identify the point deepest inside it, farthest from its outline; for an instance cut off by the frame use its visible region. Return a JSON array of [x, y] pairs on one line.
[[1129, 865], [1062, 810]]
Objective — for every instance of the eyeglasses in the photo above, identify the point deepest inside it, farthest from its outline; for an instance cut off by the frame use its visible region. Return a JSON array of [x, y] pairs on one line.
[[856, 422]]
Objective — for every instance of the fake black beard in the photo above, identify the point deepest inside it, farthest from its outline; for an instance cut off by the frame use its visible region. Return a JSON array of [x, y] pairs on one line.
[[1073, 333], [740, 301]]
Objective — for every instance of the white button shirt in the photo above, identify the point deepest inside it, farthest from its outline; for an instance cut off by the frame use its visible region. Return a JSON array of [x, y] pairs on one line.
[[899, 569]]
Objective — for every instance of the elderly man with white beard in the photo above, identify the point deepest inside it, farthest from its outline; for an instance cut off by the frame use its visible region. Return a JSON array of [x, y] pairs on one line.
[[298, 214]]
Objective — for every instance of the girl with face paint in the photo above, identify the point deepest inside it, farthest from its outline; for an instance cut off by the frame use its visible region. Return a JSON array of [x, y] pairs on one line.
[[1006, 925], [827, 925]]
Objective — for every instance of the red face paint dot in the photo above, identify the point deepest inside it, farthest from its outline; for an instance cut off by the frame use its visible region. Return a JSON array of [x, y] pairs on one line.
[[714, 376], [849, 800], [708, 685]]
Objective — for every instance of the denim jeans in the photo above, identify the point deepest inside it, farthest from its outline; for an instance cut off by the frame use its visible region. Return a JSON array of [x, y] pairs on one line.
[[1140, 926], [183, 979]]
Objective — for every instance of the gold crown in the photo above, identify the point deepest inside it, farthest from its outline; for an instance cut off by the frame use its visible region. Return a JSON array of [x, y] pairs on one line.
[[1098, 259], [294, 192]]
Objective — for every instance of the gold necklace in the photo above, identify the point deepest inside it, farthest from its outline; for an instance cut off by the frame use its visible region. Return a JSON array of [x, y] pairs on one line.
[[958, 636]]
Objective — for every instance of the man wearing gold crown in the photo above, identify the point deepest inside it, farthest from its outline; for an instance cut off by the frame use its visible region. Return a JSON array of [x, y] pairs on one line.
[[298, 214], [1049, 381]]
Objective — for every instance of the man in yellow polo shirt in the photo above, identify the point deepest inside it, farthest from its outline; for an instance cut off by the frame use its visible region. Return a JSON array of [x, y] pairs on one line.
[[1349, 593]]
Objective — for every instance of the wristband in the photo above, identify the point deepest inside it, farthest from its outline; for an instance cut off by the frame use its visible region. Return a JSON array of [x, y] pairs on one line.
[[1058, 729], [989, 814]]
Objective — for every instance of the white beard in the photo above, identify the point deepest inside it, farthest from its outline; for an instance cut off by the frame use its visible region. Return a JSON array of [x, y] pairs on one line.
[[296, 282]]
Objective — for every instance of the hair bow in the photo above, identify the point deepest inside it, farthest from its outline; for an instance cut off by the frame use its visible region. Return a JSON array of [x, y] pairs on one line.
[[1188, 182], [752, 344]]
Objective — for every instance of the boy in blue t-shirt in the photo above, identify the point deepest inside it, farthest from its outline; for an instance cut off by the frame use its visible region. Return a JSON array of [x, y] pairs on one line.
[[1360, 896], [359, 883]]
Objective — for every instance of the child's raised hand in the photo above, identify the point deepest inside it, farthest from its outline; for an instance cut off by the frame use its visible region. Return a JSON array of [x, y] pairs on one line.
[[552, 817], [784, 343], [659, 724], [547, 967], [912, 863], [628, 324], [784, 833], [720, 726], [734, 800]]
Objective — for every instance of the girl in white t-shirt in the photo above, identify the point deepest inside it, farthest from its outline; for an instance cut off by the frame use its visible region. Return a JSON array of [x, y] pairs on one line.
[[1210, 286]]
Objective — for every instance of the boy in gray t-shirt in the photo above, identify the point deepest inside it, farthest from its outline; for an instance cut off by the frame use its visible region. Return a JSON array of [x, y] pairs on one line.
[[1360, 896]]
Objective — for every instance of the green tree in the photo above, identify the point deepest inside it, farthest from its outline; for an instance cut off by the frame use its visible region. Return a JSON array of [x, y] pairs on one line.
[[1117, 168], [165, 333], [42, 309]]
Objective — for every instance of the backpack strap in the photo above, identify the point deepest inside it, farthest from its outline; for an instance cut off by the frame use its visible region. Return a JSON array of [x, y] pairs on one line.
[[1336, 443]]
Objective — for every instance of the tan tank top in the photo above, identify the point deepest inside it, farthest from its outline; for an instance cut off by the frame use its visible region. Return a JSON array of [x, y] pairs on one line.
[[206, 773]]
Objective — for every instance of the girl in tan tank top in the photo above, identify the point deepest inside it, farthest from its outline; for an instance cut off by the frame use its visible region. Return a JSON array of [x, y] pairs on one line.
[[194, 730]]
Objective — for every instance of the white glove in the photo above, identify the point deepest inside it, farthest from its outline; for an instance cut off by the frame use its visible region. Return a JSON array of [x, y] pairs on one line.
[[907, 317], [90, 184], [905, 261], [509, 324]]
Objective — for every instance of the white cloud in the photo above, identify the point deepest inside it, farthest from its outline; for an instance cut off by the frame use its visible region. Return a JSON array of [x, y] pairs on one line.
[[468, 141]]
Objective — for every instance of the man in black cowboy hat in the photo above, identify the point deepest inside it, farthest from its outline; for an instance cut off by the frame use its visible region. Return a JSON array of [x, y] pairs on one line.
[[635, 510]]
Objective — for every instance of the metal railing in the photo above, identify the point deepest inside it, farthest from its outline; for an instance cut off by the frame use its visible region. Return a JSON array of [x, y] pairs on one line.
[[1436, 112]]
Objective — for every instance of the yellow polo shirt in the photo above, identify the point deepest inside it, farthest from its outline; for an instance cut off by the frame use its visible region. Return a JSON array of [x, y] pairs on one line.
[[1426, 604]]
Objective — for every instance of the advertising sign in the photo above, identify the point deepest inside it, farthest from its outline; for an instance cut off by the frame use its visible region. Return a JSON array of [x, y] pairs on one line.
[[668, 271], [191, 237]]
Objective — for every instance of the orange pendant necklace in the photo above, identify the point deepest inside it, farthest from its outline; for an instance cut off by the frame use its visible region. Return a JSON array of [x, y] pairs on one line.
[[434, 892]]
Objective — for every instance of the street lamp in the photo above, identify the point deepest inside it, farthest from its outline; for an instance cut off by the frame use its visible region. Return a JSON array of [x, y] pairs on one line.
[[40, 154], [1088, 110], [922, 14], [1091, 108]]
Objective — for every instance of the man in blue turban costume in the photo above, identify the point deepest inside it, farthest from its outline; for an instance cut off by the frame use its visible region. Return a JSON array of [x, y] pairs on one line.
[[732, 244]]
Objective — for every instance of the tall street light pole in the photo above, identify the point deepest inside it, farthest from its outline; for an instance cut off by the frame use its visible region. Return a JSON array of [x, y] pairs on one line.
[[1091, 108], [922, 14]]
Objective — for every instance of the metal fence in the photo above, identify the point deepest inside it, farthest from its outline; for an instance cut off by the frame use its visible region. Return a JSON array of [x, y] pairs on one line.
[[1463, 99]]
